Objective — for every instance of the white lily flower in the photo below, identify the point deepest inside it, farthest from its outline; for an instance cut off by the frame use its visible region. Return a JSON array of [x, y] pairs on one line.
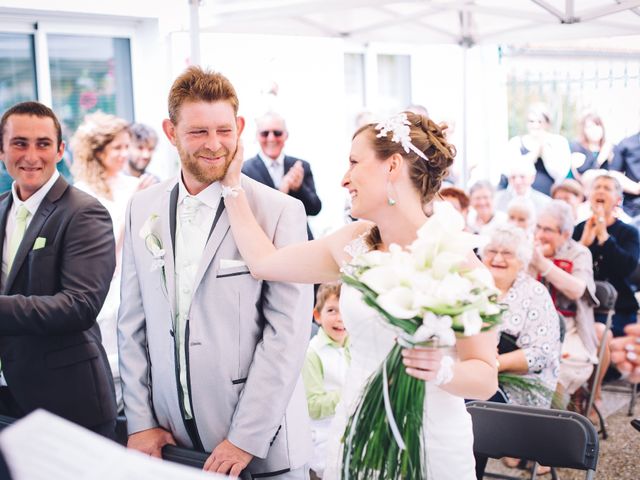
[[472, 322], [445, 263], [398, 302], [452, 289], [481, 277], [147, 227], [380, 279]]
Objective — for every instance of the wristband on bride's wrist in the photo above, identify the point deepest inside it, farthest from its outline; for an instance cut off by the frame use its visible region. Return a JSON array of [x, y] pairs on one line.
[[445, 372], [231, 191]]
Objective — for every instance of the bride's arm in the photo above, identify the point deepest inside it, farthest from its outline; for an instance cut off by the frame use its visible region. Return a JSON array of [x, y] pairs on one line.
[[307, 262], [475, 375]]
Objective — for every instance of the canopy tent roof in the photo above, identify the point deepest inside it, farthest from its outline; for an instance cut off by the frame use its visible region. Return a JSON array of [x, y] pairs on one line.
[[465, 22]]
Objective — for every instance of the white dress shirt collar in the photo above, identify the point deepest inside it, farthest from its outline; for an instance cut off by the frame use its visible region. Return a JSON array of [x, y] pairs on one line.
[[268, 161], [210, 196], [33, 202]]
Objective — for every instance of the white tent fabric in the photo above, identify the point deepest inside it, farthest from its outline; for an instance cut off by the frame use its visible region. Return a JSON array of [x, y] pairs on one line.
[[426, 21], [462, 22]]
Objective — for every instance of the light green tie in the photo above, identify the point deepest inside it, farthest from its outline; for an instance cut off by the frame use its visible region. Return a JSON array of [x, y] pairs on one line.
[[18, 232]]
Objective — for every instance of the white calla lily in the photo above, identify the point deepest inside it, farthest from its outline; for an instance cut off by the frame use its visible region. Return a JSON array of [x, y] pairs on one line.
[[398, 302], [380, 279]]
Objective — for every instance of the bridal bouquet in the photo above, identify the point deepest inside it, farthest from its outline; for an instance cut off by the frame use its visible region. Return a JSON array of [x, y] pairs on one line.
[[430, 295]]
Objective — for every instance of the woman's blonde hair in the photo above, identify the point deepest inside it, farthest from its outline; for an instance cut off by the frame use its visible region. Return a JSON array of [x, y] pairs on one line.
[[96, 132]]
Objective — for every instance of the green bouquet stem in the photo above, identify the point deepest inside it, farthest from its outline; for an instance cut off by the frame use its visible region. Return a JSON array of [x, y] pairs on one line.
[[370, 448]]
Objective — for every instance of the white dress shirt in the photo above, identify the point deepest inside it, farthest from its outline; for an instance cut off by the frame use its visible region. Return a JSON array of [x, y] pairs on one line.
[[193, 224], [275, 167]]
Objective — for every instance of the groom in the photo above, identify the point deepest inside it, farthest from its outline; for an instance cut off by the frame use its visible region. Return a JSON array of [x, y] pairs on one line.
[[210, 358]]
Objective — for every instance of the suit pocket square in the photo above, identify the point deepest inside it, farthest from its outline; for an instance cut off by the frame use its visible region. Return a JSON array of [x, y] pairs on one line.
[[39, 243], [230, 263]]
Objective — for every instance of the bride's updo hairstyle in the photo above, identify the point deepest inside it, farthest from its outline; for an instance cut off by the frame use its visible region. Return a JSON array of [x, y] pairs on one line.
[[426, 175]]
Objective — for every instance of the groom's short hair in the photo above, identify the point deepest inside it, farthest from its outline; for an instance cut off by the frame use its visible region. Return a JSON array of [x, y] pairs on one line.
[[196, 84]]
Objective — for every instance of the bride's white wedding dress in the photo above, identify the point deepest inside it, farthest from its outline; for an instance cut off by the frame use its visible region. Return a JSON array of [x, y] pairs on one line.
[[447, 425]]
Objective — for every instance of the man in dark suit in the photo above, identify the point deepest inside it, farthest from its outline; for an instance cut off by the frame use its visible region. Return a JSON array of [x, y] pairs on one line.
[[626, 159], [58, 257], [272, 167]]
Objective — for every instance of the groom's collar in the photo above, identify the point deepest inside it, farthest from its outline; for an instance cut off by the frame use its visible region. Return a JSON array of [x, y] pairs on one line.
[[210, 196]]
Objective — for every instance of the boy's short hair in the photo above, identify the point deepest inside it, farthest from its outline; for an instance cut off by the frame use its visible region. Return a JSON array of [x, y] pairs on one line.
[[326, 291]]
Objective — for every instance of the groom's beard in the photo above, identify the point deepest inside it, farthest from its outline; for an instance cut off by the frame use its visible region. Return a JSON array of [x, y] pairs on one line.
[[203, 173]]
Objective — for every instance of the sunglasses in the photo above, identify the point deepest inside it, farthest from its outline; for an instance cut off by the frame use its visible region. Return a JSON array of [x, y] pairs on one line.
[[276, 133]]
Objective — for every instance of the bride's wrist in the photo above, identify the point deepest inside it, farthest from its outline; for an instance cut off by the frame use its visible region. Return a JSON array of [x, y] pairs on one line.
[[231, 190]]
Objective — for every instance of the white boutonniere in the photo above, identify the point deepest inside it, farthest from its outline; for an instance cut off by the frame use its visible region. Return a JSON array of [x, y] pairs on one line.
[[152, 242]]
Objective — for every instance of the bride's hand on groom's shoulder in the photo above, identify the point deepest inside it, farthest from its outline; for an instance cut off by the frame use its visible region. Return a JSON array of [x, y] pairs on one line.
[[227, 459], [422, 362], [232, 177]]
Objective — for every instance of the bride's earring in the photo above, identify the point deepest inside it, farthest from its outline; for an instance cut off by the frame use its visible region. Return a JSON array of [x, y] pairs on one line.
[[390, 200]]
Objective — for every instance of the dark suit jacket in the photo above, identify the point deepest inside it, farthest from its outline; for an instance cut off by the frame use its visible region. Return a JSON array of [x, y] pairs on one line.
[[256, 169], [50, 347]]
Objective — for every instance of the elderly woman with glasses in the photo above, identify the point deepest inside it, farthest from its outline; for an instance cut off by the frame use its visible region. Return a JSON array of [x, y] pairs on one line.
[[530, 329], [565, 267]]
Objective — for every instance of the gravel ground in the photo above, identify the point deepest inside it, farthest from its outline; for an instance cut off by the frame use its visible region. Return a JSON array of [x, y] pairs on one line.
[[619, 455]]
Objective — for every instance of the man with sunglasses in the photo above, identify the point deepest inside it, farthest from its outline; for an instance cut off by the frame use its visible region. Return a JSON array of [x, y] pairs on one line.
[[272, 167]]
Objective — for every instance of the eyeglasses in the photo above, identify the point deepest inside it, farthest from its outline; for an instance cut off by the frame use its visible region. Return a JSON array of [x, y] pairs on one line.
[[276, 133], [547, 230], [506, 254]]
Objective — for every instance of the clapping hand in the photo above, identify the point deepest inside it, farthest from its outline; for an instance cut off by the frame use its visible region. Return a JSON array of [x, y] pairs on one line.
[[227, 459], [600, 224], [292, 181], [589, 232], [625, 353]]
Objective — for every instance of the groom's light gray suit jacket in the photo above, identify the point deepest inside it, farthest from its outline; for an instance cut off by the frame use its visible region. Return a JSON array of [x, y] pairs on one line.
[[246, 342]]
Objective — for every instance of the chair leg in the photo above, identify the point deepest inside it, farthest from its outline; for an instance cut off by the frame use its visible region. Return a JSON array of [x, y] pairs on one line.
[[603, 426], [632, 402]]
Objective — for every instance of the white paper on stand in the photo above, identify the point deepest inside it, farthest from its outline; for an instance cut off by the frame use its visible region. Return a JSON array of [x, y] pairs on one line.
[[43, 446]]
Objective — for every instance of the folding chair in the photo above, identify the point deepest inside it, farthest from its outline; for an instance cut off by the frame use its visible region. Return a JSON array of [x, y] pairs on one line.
[[556, 438], [607, 296]]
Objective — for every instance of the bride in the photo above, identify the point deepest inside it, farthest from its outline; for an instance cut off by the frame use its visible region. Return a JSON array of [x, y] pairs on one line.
[[392, 173]]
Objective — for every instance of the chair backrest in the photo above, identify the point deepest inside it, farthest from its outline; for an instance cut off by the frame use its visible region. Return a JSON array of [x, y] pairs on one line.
[[555, 438], [606, 295]]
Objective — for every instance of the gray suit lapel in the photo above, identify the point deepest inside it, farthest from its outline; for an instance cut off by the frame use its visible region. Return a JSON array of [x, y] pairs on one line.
[[168, 233], [219, 230]]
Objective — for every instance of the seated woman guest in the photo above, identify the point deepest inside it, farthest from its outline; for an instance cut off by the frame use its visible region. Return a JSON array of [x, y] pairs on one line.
[[565, 268], [590, 150], [530, 320], [483, 214], [530, 329]]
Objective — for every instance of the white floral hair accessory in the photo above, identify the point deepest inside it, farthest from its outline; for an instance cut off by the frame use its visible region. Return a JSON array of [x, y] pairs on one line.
[[399, 125]]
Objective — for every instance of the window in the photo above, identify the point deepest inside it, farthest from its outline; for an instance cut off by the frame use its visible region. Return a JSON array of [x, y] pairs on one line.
[[89, 74], [394, 81], [17, 69]]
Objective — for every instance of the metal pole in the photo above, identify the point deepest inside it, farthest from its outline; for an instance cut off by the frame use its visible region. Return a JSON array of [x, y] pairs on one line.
[[194, 31]]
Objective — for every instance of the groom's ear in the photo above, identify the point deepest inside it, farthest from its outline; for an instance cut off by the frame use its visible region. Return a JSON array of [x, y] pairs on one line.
[[169, 130], [240, 123]]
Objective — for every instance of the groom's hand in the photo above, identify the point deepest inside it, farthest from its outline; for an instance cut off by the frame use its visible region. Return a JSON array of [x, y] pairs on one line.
[[150, 441], [228, 459]]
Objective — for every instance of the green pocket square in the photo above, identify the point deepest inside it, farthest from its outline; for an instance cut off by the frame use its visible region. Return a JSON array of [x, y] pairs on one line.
[[39, 243]]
